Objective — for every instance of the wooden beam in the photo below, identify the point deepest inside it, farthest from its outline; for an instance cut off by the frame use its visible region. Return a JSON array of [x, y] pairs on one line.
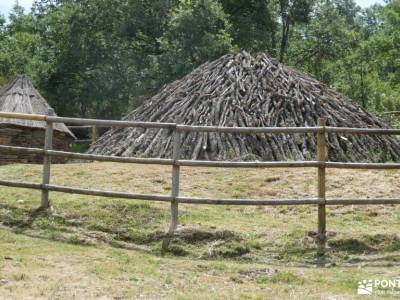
[[195, 200], [368, 166], [249, 202], [177, 138], [48, 145], [94, 134], [248, 130], [378, 201], [369, 131], [203, 163], [396, 112], [186, 128], [110, 123], [247, 164], [21, 116], [321, 156]]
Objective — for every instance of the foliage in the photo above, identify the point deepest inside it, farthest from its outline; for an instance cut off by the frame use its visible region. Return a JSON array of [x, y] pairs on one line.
[[292, 12], [21, 47], [254, 25], [93, 59], [197, 31]]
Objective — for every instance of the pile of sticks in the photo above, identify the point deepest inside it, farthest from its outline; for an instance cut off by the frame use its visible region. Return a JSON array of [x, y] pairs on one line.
[[249, 91]]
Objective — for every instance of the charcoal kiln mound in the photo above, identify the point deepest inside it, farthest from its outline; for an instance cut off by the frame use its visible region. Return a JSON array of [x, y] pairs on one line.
[[249, 91]]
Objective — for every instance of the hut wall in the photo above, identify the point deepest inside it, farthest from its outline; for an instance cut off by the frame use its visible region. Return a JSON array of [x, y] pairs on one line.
[[33, 138]]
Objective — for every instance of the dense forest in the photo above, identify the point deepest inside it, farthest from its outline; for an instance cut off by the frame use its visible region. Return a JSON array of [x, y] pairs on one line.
[[101, 58]]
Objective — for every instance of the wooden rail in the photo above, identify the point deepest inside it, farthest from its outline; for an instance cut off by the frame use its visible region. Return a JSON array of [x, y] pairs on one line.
[[321, 156], [48, 145], [396, 112], [174, 198], [93, 132]]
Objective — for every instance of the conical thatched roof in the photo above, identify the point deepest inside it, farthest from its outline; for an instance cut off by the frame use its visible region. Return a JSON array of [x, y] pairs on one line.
[[20, 96], [242, 90]]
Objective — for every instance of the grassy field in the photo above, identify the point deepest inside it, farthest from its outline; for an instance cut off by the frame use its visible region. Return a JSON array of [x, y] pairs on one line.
[[92, 247]]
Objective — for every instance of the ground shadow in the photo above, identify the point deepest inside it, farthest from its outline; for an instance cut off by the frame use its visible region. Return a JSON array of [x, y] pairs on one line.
[[201, 243]]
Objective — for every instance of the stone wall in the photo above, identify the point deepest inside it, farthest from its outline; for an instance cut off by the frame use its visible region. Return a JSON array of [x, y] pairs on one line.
[[32, 138]]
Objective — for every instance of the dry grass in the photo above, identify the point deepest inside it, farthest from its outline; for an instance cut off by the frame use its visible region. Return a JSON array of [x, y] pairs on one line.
[[91, 247]]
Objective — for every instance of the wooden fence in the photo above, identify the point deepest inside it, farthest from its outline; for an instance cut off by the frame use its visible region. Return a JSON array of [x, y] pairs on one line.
[[174, 198], [93, 133]]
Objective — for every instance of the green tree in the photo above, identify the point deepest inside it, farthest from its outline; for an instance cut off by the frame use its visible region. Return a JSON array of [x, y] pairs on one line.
[[196, 32], [3, 79], [254, 24], [383, 55], [21, 48], [291, 13], [103, 54], [319, 46], [94, 59], [88, 76]]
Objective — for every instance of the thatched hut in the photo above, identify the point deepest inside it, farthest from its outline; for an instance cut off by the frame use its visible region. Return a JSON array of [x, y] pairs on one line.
[[249, 91], [20, 96]]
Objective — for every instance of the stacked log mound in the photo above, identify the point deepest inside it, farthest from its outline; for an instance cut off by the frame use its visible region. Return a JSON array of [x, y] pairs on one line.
[[249, 91]]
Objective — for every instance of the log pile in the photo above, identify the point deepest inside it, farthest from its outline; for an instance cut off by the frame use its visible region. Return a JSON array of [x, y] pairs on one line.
[[249, 91]]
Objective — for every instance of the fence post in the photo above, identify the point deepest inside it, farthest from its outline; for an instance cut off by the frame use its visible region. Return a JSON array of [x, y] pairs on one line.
[[94, 134], [321, 156], [48, 145], [175, 189]]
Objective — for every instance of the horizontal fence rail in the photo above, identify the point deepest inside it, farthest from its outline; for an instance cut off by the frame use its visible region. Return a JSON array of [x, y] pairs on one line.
[[79, 191], [248, 130], [202, 163], [187, 128], [86, 127], [174, 198], [93, 132]]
